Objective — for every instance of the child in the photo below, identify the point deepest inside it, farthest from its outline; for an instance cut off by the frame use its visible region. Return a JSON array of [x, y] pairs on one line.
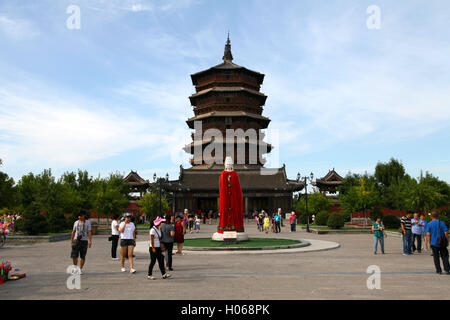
[[266, 223], [197, 224]]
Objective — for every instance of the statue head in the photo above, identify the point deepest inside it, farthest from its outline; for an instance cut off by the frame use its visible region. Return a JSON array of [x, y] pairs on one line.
[[228, 164]]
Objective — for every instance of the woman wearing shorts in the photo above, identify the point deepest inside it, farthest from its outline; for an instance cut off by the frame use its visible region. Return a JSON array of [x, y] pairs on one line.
[[127, 241]]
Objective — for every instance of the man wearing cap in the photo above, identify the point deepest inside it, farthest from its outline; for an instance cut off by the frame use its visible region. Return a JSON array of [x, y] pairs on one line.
[[156, 250]]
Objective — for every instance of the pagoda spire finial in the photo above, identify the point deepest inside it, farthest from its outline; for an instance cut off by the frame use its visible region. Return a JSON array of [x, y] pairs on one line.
[[227, 56]]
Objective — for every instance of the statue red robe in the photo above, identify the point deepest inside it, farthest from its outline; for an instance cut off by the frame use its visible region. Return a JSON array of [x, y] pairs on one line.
[[231, 203]]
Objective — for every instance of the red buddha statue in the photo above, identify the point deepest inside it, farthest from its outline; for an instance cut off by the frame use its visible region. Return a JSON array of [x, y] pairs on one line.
[[231, 200]]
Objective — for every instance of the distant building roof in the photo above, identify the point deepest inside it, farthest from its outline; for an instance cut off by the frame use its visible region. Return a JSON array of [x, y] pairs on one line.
[[133, 179], [250, 179], [329, 182]]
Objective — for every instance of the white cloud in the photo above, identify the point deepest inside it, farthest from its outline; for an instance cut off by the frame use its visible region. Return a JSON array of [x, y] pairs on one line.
[[53, 129], [17, 29], [352, 85]]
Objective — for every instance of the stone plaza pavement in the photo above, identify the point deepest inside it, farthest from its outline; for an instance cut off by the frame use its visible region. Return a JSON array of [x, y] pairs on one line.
[[334, 274]]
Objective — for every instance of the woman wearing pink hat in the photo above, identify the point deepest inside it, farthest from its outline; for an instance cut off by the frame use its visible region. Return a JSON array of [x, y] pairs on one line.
[[156, 250]]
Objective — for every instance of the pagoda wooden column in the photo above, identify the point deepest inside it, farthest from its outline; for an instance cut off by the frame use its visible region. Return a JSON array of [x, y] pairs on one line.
[[245, 205]]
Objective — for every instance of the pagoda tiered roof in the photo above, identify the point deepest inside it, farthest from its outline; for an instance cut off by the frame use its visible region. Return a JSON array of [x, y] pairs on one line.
[[251, 178], [221, 114], [329, 182]]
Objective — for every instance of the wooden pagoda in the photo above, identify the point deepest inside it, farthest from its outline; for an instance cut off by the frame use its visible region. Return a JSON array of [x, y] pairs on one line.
[[228, 97]]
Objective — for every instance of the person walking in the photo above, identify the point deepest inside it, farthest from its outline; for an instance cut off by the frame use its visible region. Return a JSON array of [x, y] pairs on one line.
[[210, 214], [156, 249], [293, 221], [168, 237], [185, 217], [266, 223], [277, 221], [180, 231], [377, 229], [197, 224], [424, 232], [82, 235], [407, 233], [127, 241], [416, 233], [191, 222], [437, 234], [260, 221], [115, 234]]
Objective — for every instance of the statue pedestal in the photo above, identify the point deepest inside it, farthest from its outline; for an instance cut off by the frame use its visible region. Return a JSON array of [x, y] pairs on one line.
[[240, 236]]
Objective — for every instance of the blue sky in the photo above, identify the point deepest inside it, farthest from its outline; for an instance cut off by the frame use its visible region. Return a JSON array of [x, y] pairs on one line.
[[113, 95]]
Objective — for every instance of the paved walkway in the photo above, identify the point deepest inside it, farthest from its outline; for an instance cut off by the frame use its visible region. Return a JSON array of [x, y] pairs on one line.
[[334, 274]]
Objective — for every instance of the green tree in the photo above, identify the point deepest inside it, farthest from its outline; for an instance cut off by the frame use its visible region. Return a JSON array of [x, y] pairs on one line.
[[321, 218], [111, 195], [34, 221], [8, 192], [425, 195], [387, 173], [335, 221], [317, 202], [362, 197], [396, 194], [150, 204]]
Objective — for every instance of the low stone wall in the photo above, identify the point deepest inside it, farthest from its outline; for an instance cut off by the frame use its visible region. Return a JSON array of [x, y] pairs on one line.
[[108, 231], [303, 243], [17, 239]]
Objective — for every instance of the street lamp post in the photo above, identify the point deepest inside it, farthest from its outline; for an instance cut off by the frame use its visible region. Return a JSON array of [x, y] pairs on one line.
[[160, 182], [306, 178]]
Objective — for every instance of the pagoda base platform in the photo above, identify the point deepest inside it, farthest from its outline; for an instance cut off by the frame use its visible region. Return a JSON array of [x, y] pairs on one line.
[[241, 236]]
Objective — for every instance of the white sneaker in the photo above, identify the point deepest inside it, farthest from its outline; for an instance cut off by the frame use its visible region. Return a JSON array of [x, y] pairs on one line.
[[151, 278], [132, 271], [166, 275], [123, 269], [115, 258], [81, 272]]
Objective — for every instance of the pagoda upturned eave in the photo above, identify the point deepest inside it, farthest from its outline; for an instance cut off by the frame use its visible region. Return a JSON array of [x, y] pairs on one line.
[[258, 94], [190, 147], [222, 114], [226, 65]]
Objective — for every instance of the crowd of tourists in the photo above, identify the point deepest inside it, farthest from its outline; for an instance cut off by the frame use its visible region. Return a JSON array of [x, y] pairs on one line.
[[273, 222], [418, 236], [164, 233]]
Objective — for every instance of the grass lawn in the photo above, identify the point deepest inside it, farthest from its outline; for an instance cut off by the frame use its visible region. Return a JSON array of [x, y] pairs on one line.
[[252, 242]]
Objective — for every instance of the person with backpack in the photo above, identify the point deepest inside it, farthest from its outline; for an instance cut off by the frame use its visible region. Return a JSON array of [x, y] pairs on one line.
[[156, 250], [437, 236], [168, 237], [82, 235]]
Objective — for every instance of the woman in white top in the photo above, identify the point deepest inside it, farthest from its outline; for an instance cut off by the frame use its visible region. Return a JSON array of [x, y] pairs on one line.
[[156, 250], [127, 241]]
